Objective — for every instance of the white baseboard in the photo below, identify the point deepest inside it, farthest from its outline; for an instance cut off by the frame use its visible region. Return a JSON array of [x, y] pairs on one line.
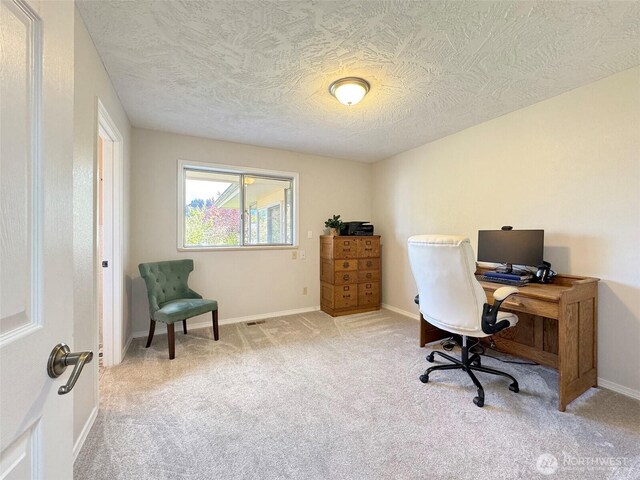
[[126, 347], [629, 392], [85, 431], [414, 315], [161, 327]]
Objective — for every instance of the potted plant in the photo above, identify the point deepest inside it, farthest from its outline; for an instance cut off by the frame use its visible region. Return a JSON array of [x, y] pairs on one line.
[[334, 224]]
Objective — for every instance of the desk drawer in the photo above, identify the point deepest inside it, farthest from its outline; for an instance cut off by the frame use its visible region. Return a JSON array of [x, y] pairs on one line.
[[345, 277], [345, 248], [369, 264], [339, 296], [345, 296], [368, 276], [533, 306], [369, 247], [342, 265], [369, 293]]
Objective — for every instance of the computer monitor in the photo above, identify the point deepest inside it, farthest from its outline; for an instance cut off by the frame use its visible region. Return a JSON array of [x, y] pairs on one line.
[[519, 247]]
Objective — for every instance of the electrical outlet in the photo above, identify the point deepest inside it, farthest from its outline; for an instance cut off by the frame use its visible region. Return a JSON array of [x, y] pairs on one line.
[[304, 290], [303, 255], [309, 234], [294, 255]]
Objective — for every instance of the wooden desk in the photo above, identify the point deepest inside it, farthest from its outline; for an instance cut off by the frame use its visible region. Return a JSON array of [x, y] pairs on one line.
[[557, 327]]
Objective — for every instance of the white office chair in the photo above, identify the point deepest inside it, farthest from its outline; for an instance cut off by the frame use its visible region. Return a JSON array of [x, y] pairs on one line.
[[453, 300]]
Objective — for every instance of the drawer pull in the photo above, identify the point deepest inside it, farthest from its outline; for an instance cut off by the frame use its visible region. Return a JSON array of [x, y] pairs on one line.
[[346, 296], [345, 265], [345, 277], [368, 293], [369, 275], [369, 263], [512, 304]]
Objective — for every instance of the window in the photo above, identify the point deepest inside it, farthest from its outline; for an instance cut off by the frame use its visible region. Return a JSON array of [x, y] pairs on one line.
[[221, 207]]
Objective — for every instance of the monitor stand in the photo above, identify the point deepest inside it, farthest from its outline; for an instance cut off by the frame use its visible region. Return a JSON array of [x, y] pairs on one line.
[[508, 268]]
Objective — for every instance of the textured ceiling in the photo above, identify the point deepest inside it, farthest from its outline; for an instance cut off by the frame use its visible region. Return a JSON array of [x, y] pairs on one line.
[[258, 72]]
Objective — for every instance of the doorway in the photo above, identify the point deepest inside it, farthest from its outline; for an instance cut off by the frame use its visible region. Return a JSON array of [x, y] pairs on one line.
[[109, 217]]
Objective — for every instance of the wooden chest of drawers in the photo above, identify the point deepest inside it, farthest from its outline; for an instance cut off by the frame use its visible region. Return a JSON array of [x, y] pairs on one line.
[[349, 274]]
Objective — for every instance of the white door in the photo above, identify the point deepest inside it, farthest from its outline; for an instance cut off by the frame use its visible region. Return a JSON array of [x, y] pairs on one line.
[[36, 263]]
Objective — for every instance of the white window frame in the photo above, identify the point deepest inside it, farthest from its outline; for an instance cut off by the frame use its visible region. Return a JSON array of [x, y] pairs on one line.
[[236, 170]]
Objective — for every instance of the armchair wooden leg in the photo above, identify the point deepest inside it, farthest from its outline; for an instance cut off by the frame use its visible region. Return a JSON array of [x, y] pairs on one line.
[[184, 326], [152, 329], [171, 335], [216, 336]]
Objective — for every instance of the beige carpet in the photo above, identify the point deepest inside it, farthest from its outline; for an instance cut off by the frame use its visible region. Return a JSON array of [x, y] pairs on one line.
[[314, 397]]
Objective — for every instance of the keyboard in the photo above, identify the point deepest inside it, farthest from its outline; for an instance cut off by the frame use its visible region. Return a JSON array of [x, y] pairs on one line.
[[503, 281]]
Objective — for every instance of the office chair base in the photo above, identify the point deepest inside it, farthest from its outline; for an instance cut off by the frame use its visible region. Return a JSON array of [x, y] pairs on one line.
[[475, 358], [470, 365]]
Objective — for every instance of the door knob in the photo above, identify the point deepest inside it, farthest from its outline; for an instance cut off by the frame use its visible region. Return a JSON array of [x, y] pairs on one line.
[[60, 358]]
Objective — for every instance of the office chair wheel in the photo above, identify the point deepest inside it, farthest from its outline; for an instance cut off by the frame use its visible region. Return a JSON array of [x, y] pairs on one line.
[[479, 401], [514, 387], [424, 378], [476, 363], [430, 358]]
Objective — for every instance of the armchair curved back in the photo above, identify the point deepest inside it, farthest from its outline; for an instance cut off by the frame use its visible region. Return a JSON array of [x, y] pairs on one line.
[[451, 297], [166, 281]]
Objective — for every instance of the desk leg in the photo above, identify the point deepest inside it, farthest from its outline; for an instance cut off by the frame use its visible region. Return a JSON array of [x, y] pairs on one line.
[[429, 333], [561, 405], [577, 367]]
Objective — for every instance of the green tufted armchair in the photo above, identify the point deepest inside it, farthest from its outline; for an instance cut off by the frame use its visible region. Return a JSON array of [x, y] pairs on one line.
[[171, 300]]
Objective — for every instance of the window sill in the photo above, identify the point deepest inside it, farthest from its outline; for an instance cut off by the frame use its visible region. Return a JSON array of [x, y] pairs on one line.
[[230, 249]]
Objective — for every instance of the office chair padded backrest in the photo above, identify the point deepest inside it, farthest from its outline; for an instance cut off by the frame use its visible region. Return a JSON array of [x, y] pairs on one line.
[[166, 281], [450, 296]]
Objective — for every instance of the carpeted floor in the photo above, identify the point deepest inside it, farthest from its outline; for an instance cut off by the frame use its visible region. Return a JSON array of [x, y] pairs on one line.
[[314, 397]]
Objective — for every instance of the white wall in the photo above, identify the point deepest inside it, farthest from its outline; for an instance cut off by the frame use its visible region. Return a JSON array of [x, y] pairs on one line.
[[569, 165], [245, 283], [91, 83]]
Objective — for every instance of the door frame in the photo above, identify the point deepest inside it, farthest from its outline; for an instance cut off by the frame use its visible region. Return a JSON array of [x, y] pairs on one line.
[[113, 187]]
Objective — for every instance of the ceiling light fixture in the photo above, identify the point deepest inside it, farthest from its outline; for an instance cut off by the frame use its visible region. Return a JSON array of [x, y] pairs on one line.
[[349, 90]]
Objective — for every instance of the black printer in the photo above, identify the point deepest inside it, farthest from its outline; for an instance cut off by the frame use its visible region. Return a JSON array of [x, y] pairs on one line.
[[356, 228]]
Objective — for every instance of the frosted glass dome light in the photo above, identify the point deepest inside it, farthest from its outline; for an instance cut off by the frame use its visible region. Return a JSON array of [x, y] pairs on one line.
[[350, 90]]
